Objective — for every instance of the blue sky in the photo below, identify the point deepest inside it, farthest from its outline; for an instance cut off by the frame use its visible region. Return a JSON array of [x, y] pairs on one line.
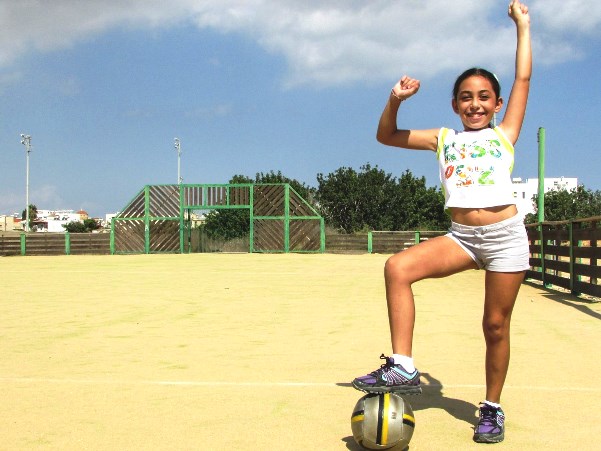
[[104, 86]]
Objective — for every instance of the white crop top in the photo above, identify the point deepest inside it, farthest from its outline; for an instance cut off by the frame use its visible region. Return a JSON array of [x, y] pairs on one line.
[[475, 168]]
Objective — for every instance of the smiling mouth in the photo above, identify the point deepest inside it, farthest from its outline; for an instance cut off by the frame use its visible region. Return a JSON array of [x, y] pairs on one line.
[[476, 116]]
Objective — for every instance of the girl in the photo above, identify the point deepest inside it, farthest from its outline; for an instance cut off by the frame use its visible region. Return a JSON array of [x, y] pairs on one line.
[[486, 231]]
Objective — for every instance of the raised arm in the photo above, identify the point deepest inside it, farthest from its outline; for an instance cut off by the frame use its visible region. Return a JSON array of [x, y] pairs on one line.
[[516, 106], [389, 134]]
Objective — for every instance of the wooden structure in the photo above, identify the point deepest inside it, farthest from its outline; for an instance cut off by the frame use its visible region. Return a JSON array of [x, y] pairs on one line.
[[157, 219], [566, 254], [379, 242]]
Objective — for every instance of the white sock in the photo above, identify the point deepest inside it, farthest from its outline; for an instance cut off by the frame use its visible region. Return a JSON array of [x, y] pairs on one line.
[[405, 361], [493, 404]]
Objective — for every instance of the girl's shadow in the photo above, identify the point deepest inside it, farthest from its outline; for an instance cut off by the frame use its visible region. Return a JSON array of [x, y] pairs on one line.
[[432, 397]]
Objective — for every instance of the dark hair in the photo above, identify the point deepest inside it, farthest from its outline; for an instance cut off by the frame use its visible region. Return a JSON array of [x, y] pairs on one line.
[[477, 71]]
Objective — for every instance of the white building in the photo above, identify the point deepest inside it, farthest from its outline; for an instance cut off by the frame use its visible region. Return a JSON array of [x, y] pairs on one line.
[[108, 219], [524, 191], [54, 220]]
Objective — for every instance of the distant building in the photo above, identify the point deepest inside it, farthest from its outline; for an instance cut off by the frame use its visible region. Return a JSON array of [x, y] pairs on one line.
[[108, 219], [9, 223], [524, 191], [54, 220]]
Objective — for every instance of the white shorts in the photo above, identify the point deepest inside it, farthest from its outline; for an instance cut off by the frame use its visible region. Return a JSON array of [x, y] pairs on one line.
[[499, 247]]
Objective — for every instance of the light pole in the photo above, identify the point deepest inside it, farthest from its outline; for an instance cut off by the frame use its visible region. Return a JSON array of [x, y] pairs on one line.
[[178, 148], [26, 141]]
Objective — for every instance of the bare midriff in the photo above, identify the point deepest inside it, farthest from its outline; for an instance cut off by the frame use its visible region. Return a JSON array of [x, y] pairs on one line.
[[482, 216]]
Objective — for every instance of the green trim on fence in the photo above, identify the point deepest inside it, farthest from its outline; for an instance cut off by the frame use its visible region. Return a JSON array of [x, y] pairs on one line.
[[23, 243], [370, 242], [67, 243], [251, 232], [112, 238], [287, 218], [322, 235], [571, 238], [542, 250], [146, 219], [181, 220], [417, 236]]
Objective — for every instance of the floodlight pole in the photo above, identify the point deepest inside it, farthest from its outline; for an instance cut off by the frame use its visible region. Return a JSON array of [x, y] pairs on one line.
[[178, 148], [26, 141]]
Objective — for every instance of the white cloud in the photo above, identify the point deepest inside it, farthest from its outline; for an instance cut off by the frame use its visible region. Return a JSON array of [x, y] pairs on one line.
[[13, 202], [326, 42], [46, 195], [569, 16]]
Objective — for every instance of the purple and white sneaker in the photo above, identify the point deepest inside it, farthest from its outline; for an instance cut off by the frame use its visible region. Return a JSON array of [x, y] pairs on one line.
[[491, 426], [389, 378]]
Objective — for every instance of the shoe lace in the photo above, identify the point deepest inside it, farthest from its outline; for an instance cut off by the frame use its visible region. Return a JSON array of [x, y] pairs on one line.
[[388, 362], [488, 415]]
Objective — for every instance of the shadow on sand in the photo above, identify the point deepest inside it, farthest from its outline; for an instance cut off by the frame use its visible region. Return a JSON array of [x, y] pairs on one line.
[[569, 300], [432, 397]]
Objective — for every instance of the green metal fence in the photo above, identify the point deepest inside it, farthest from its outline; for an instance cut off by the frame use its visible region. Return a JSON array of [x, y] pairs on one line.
[[157, 219]]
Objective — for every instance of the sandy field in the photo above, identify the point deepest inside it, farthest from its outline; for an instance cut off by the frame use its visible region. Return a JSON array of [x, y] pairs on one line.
[[256, 352]]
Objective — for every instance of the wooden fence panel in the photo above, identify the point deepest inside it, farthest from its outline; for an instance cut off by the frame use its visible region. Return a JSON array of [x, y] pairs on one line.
[[341, 243], [568, 255], [90, 243], [45, 244], [10, 244]]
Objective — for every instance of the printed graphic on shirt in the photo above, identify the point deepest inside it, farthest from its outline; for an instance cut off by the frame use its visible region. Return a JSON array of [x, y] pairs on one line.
[[471, 163]]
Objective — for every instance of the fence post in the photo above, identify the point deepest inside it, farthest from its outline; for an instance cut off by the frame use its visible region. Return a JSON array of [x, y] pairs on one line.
[[147, 219], [112, 237], [23, 243], [286, 218], [322, 235], [593, 260], [542, 252], [370, 242], [251, 219], [571, 244], [67, 243], [417, 237]]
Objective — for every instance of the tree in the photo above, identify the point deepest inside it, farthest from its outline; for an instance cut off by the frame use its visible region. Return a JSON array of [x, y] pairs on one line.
[[564, 205], [88, 225], [372, 199], [418, 207], [230, 224], [353, 201], [33, 215]]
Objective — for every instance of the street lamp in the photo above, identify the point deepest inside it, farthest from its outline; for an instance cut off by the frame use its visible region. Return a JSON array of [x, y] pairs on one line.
[[26, 141], [178, 148]]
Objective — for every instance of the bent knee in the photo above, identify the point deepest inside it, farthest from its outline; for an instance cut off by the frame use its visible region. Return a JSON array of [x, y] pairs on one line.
[[397, 268]]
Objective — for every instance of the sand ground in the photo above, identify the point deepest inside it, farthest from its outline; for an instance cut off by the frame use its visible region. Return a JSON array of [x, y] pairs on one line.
[[256, 352]]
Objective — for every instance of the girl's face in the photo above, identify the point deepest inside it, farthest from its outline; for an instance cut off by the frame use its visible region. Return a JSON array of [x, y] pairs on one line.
[[476, 103]]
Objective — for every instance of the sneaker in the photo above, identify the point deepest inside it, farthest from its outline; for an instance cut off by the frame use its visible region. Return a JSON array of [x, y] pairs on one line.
[[491, 426], [389, 378]]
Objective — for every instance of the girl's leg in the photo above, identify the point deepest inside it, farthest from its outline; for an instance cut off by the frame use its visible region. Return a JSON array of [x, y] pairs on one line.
[[437, 257], [501, 293]]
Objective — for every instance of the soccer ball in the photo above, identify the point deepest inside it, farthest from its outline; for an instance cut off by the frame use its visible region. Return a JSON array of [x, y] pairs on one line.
[[382, 420]]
